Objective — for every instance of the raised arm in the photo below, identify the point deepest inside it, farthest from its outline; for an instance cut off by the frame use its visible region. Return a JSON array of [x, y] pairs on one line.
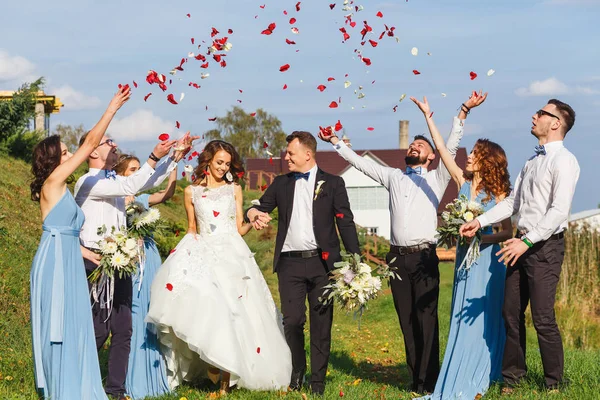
[[373, 170], [242, 227], [167, 193], [189, 210]]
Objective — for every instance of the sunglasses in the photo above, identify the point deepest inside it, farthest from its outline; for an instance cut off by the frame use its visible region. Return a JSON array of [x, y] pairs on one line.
[[109, 142], [544, 112]]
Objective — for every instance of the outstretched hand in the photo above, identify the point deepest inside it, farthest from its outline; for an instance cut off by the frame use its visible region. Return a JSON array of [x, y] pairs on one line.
[[475, 99], [423, 106], [163, 148], [119, 99], [183, 146]]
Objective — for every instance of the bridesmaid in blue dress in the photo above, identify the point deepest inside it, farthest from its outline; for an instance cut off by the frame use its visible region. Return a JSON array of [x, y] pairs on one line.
[[64, 347], [473, 356], [146, 372]]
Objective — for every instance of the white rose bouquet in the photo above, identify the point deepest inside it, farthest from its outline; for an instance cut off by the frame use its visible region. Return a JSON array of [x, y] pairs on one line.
[[354, 283], [457, 213]]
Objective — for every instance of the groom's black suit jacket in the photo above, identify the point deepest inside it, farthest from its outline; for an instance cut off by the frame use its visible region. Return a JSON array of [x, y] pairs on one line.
[[331, 200]]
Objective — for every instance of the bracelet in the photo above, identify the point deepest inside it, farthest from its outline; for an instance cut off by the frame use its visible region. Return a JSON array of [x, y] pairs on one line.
[[153, 157], [468, 111], [527, 241]]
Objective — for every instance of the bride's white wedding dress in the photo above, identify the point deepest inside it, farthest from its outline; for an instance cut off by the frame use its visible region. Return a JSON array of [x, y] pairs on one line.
[[211, 304]]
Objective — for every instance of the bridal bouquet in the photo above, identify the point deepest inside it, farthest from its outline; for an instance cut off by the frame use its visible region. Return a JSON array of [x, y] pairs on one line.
[[355, 283], [142, 222], [457, 213]]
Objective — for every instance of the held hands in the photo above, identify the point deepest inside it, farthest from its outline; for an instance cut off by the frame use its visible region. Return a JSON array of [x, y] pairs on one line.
[[470, 228], [423, 106], [512, 250], [119, 99], [258, 219], [475, 99]]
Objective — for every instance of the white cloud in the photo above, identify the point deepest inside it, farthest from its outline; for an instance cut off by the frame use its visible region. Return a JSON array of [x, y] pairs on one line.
[[142, 125], [74, 100], [552, 87], [15, 68]]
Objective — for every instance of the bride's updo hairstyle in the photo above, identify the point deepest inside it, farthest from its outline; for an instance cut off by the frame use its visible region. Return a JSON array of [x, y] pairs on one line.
[[492, 164], [46, 157], [213, 147]]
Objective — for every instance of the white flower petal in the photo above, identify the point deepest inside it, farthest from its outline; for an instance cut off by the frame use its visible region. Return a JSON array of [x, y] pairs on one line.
[[204, 76], [347, 84], [414, 51], [490, 72], [443, 94], [403, 96]]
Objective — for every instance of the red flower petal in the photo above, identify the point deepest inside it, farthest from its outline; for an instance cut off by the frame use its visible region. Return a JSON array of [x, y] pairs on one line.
[[331, 6], [366, 60], [183, 173], [148, 95], [370, 128], [265, 145], [212, 119], [395, 108], [330, 79], [338, 126], [339, 215], [333, 104], [379, 14], [325, 255], [172, 251], [288, 41], [192, 39], [169, 286], [177, 233], [253, 114], [230, 31], [216, 213], [189, 15], [341, 393], [298, 6], [416, 72], [285, 86], [206, 173], [473, 75], [271, 160], [240, 174], [292, 21], [321, 87], [373, 43], [263, 6], [171, 99], [284, 67], [258, 348], [163, 136], [263, 187], [134, 84], [177, 124], [327, 131], [353, 24], [194, 154]]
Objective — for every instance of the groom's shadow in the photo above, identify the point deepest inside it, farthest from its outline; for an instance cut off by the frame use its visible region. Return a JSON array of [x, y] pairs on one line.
[[391, 374]]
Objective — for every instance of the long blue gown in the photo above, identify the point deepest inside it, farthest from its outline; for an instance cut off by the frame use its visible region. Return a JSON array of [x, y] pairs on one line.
[[473, 356], [64, 346], [146, 373]]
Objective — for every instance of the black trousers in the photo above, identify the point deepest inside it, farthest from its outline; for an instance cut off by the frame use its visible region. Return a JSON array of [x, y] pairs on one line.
[[298, 279], [534, 279], [416, 301], [119, 325]]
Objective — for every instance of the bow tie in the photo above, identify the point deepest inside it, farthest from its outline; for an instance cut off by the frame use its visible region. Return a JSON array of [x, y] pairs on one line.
[[411, 170], [110, 174], [299, 175], [540, 150]]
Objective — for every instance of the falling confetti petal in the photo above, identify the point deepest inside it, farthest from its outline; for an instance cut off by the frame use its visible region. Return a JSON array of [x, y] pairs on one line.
[[284, 67], [181, 97], [490, 72], [370, 128], [146, 96], [402, 96], [295, 30], [379, 14], [171, 99], [414, 51], [428, 54], [216, 213], [333, 104], [473, 75], [163, 136], [347, 84], [443, 94], [285, 86], [416, 72], [170, 286], [204, 76], [321, 87]]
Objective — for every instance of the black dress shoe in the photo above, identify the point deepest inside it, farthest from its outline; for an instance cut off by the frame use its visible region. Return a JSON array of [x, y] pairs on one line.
[[317, 389], [297, 379]]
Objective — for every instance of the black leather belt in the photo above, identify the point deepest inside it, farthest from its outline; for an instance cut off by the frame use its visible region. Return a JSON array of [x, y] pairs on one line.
[[300, 253], [404, 250], [556, 236]]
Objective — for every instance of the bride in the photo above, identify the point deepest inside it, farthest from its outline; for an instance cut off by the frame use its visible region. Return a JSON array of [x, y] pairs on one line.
[[209, 301]]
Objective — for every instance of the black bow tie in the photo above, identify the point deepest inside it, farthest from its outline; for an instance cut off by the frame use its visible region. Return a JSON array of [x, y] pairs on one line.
[[300, 175]]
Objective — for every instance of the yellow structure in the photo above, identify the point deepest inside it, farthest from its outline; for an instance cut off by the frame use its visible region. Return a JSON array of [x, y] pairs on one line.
[[44, 106]]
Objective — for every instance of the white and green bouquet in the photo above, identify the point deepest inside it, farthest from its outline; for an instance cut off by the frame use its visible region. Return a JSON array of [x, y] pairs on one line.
[[459, 212], [354, 283], [119, 255], [142, 222]]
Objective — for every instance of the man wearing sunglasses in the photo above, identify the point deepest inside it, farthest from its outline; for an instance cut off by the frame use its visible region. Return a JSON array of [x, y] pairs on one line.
[[541, 200], [101, 195]]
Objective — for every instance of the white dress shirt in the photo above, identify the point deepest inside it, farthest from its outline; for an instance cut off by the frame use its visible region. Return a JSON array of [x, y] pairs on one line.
[[300, 234], [542, 195], [414, 198], [102, 199]]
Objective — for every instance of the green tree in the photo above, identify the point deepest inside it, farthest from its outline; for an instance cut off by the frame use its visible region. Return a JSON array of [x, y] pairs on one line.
[[70, 135], [247, 133], [16, 139]]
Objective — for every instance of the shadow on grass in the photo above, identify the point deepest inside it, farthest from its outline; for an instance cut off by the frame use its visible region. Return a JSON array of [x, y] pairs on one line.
[[395, 375]]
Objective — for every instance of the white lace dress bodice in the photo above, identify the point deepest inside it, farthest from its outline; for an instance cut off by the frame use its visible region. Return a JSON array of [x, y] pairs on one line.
[[214, 209]]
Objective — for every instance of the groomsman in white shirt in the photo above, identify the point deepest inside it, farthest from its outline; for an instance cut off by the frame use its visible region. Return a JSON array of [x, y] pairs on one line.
[[101, 195], [415, 195], [542, 200]]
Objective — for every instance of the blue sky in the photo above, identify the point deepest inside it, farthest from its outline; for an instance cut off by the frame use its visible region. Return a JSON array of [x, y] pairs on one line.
[[539, 50]]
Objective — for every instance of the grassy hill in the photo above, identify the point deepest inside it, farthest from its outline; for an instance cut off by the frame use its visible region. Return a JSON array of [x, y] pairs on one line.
[[365, 364]]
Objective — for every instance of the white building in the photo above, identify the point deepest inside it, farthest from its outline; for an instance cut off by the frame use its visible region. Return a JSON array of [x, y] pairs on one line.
[[590, 218]]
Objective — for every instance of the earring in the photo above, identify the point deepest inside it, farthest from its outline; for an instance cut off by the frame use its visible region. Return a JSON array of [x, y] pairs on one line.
[[228, 176]]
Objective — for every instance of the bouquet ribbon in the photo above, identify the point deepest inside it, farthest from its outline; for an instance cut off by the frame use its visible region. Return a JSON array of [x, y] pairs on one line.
[[472, 254], [142, 261], [103, 292]]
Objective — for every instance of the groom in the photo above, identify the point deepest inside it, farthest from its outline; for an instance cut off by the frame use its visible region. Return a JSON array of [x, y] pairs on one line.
[[311, 203]]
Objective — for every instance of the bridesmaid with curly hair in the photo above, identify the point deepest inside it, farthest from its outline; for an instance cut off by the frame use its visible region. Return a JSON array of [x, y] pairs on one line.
[[473, 357], [64, 349]]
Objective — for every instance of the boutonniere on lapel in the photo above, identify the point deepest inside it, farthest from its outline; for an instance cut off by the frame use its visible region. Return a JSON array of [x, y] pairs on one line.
[[318, 189]]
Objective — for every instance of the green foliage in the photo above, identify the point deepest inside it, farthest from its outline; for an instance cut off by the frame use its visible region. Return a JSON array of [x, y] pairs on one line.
[[16, 113], [20, 144], [70, 135], [247, 133]]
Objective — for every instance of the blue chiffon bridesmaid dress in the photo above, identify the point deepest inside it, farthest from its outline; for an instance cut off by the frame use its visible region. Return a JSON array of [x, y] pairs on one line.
[[473, 356], [64, 346], [146, 373]]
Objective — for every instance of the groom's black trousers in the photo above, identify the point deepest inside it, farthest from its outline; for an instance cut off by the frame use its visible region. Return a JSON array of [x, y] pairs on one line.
[[416, 301], [119, 324], [299, 278], [534, 279]]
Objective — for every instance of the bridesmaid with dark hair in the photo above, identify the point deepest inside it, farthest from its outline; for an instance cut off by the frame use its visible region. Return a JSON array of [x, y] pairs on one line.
[[64, 348]]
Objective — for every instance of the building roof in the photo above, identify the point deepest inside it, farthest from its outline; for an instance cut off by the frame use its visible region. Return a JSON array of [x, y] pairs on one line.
[[584, 214]]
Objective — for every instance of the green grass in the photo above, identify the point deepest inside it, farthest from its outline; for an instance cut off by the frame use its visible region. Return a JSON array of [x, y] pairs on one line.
[[365, 364]]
